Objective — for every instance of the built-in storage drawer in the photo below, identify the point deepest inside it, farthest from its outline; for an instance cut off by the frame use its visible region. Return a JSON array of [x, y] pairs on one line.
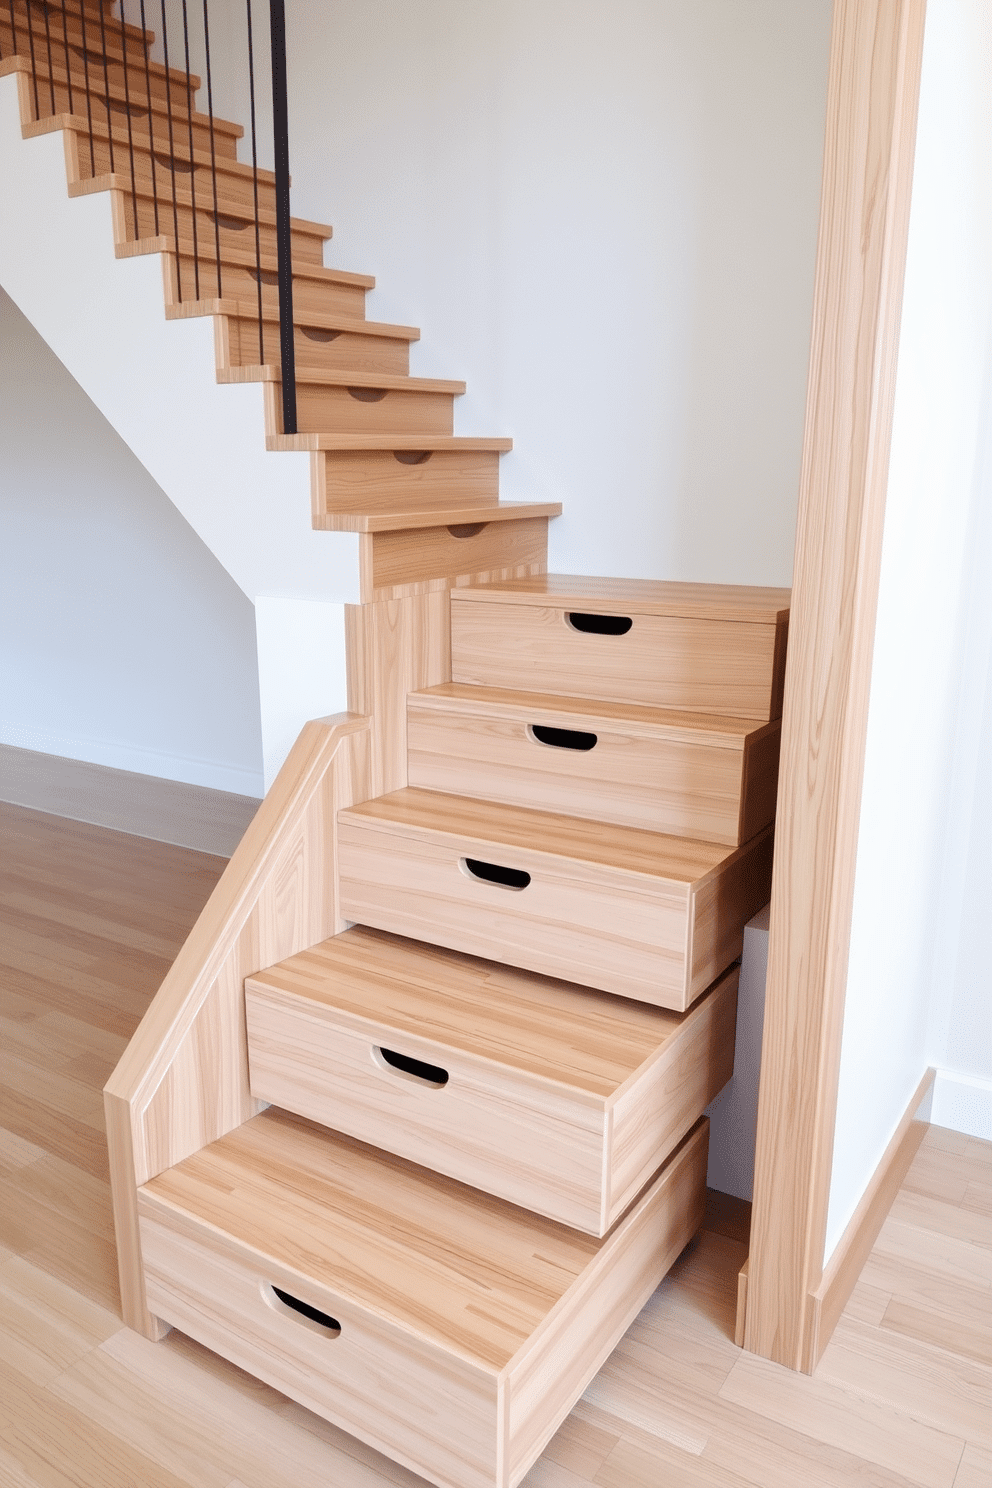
[[447, 1329], [687, 774], [556, 1097], [635, 913]]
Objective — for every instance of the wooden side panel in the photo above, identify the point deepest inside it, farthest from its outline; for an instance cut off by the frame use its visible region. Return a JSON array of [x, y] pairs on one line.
[[498, 1129], [706, 666], [760, 786], [183, 1079], [394, 560], [375, 480], [722, 906], [423, 1406], [649, 1117], [661, 785], [583, 922], [872, 97], [560, 1359]]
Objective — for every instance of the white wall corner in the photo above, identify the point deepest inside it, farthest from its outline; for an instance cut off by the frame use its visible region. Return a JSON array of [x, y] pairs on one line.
[[963, 1103], [302, 670], [734, 1113]]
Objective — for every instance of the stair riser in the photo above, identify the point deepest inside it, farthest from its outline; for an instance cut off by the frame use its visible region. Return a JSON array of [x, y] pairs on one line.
[[308, 248], [239, 282], [332, 410], [552, 1150], [662, 785], [457, 1422], [375, 480], [733, 669], [400, 562], [347, 352], [656, 940], [137, 81]]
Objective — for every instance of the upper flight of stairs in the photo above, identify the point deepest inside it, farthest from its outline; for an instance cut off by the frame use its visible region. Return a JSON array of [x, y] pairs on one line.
[[415, 1124]]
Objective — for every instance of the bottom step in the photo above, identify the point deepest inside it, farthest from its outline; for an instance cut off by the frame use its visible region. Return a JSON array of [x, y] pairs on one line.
[[447, 1329]]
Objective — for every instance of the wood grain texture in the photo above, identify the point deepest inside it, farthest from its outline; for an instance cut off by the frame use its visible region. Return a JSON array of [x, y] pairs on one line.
[[478, 1326], [744, 602], [391, 560], [840, 1275], [631, 912], [688, 661], [183, 1080], [374, 480], [687, 775], [560, 1099], [868, 163]]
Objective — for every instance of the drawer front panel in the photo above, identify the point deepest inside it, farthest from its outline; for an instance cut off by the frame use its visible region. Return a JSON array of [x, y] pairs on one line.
[[579, 921], [659, 785], [423, 1407], [704, 666], [527, 1141]]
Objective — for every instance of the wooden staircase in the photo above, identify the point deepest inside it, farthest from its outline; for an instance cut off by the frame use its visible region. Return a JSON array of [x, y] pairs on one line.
[[414, 1126]]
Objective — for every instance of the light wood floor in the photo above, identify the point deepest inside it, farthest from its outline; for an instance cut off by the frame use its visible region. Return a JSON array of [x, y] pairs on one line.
[[92, 918]]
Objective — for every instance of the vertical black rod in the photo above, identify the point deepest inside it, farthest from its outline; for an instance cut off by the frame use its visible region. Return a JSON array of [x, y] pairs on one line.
[[13, 29], [65, 43], [130, 127], [192, 165], [106, 85], [254, 177], [172, 153], [51, 69], [151, 116], [89, 96], [284, 238], [213, 148], [34, 64]]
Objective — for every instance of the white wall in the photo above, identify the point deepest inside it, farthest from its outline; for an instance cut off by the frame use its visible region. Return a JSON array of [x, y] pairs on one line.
[[917, 987], [122, 640]]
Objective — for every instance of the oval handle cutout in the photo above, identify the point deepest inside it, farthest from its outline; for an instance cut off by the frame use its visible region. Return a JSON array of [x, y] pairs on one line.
[[367, 395], [320, 1322], [173, 163], [263, 276], [599, 624], [317, 333], [412, 457], [468, 529], [417, 1069], [559, 738], [496, 873], [231, 224]]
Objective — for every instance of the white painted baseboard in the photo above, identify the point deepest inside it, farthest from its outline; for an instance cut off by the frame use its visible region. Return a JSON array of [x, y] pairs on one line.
[[195, 816], [964, 1103]]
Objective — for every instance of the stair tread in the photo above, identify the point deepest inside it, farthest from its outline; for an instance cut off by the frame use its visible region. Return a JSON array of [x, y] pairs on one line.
[[387, 441], [469, 1272], [303, 320], [321, 377], [637, 596], [574, 1036], [439, 516], [635, 718], [421, 813]]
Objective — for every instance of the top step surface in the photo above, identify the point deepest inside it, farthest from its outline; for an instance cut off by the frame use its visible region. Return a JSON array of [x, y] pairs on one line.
[[636, 597]]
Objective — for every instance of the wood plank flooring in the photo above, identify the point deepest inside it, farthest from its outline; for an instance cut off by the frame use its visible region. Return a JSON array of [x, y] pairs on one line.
[[91, 921]]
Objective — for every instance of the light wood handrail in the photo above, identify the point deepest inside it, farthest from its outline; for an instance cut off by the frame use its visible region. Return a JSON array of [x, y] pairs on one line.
[[182, 1082]]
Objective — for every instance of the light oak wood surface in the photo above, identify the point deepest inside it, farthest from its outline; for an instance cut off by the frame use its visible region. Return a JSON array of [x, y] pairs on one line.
[[478, 1326], [557, 1098], [402, 561], [873, 88], [734, 602], [669, 658], [690, 775]]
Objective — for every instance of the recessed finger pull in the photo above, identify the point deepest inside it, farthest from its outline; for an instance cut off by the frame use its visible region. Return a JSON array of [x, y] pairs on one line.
[[611, 625], [430, 1074], [559, 738], [321, 1322], [496, 873]]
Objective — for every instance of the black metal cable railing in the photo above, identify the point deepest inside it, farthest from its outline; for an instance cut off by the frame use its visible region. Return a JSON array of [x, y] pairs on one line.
[[138, 124]]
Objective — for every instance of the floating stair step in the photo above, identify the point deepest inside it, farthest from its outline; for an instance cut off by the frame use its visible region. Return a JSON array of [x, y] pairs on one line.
[[643, 915], [705, 648], [555, 1097], [323, 342], [687, 774], [462, 523], [443, 1327]]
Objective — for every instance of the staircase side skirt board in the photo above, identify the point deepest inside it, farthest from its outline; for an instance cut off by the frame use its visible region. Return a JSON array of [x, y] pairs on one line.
[[480, 1328], [183, 1079]]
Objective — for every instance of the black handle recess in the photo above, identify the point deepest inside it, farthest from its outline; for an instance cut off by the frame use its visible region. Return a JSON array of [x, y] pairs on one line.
[[599, 624], [496, 873], [432, 1074], [314, 1314], [559, 738]]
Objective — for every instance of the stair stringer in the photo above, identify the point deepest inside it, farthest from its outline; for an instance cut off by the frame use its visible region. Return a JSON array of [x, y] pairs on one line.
[[103, 317]]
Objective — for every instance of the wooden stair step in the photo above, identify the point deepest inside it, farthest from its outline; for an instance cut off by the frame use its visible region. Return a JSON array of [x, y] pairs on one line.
[[686, 774], [174, 79], [443, 1327], [636, 913], [319, 377], [407, 443], [464, 518], [707, 648], [551, 1096], [238, 176]]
